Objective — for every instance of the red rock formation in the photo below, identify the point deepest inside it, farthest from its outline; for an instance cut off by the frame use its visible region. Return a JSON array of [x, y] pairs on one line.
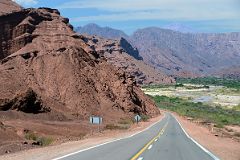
[[8, 6], [39, 50]]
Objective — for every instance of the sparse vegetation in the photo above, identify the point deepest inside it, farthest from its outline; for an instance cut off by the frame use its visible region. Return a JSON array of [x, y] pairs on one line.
[[31, 136], [117, 126], [230, 83], [236, 108], [42, 141], [144, 117], [207, 113], [177, 85], [126, 121]]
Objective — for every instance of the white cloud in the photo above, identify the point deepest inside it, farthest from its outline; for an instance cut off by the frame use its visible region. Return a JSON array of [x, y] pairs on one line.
[[157, 9], [26, 2]]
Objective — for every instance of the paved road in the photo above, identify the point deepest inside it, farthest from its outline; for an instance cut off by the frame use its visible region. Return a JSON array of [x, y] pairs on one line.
[[165, 140]]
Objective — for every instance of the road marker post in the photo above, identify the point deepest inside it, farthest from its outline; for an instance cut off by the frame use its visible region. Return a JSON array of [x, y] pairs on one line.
[[137, 118]]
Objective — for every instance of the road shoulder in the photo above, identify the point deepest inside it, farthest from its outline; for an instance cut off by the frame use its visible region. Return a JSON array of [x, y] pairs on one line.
[[223, 147], [51, 152]]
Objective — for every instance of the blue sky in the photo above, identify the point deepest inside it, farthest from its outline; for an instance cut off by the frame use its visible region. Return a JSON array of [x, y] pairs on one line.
[[129, 15]]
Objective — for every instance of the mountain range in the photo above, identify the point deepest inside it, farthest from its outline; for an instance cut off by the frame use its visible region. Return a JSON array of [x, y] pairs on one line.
[[181, 54]]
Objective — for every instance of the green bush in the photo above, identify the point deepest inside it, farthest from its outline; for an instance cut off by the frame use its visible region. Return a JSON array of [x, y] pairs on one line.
[[144, 117], [237, 108], [44, 141], [31, 136]]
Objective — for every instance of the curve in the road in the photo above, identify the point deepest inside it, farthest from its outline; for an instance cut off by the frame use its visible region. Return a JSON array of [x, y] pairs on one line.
[[165, 139]]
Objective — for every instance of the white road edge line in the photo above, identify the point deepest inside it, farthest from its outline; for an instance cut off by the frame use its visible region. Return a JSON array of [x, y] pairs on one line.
[[150, 147], [199, 145], [70, 154]]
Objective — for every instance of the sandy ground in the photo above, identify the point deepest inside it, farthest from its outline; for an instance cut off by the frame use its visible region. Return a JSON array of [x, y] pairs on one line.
[[225, 148], [51, 152]]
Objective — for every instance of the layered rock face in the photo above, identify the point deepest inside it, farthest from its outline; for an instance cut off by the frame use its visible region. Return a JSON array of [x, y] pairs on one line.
[[187, 54], [8, 6], [43, 59], [121, 54]]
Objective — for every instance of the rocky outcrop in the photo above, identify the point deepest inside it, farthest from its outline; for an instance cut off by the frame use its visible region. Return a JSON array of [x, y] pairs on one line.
[[8, 6], [129, 49], [122, 55], [28, 102], [39, 50]]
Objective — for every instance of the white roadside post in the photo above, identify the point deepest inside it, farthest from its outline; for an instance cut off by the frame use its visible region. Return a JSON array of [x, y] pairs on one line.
[[137, 118]]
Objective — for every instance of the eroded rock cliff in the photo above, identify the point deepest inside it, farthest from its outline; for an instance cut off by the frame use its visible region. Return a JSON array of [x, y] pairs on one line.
[[40, 51]]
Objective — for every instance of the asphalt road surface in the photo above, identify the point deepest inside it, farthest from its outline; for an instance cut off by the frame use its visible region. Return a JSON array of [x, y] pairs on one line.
[[165, 140]]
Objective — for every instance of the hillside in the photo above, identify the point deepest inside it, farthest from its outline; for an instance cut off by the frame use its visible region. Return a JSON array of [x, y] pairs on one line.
[[175, 52], [50, 75], [122, 55], [187, 54]]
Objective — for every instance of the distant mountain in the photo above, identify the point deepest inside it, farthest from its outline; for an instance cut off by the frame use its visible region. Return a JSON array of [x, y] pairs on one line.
[[179, 28], [195, 54], [184, 54], [105, 32]]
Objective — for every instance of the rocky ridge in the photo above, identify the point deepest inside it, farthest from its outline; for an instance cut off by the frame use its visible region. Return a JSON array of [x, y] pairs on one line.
[[186, 54], [121, 54]]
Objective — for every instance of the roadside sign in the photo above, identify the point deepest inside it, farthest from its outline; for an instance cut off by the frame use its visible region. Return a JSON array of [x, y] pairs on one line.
[[95, 120], [137, 118]]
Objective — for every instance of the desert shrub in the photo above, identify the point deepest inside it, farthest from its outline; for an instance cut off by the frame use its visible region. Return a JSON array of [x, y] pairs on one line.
[[125, 121], [31, 136], [44, 141], [116, 127], [144, 117]]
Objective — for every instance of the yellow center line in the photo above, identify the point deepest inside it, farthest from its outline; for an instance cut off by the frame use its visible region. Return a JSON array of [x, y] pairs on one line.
[[149, 143]]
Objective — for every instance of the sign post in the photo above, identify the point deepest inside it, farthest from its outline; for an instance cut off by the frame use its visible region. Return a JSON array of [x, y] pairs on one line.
[[137, 118]]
